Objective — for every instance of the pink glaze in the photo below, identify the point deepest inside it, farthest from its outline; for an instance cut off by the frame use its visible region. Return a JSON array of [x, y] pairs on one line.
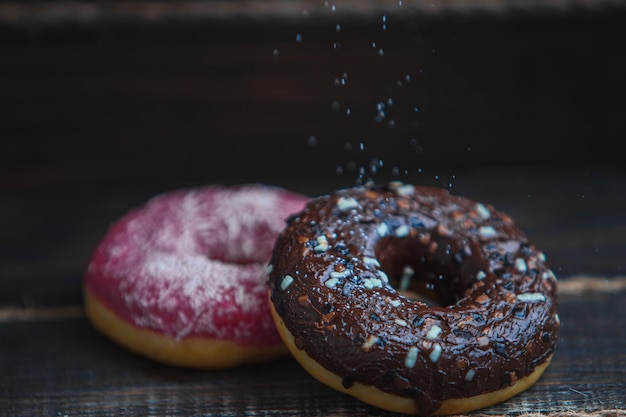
[[194, 263]]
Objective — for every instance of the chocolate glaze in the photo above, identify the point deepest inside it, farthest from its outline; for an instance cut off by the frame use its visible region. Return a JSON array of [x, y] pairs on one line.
[[339, 295]]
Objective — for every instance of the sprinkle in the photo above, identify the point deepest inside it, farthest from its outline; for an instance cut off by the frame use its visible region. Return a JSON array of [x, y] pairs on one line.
[[395, 303], [270, 268], [407, 275], [470, 375], [549, 275], [531, 297], [433, 333], [383, 276], [371, 341], [287, 280], [331, 283], [483, 212], [541, 256], [382, 230], [347, 203], [405, 190], [520, 264], [370, 283], [402, 231], [487, 231], [401, 322], [435, 353], [343, 274], [322, 244], [411, 357], [393, 185], [367, 260], [480, 275]]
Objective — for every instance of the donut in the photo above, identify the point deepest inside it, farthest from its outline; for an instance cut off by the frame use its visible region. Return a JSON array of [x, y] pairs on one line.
[[182, 279], [412, 299]]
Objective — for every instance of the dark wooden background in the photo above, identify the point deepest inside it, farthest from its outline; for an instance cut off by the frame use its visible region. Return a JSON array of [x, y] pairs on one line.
[[103, 104]]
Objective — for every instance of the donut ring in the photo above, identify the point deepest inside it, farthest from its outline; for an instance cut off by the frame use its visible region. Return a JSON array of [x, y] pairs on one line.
[[345, 276], [181, 280]]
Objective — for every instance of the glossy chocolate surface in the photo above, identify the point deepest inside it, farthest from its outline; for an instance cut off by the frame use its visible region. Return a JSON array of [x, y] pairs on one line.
[[348, 270]]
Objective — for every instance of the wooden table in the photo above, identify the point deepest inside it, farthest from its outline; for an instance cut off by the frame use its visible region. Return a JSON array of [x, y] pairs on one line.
[[54, 363], [105, 105]]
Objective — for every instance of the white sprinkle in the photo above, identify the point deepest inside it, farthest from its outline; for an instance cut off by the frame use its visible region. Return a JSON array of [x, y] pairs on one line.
[[401, 322], [541, 256], [347, 203], [480, 275], [395, 303], [531, 297], [322, 244], [270, 268], [483, 211], [370, 283], [433, 333], [411, 357], [287, 280], [369, 343], [330, 283], [402, 231], [470, 375], [435, 353], [383, 276], [407, 275], [343, 274], [487, 231], [405, 190], [549, 275], [382, 229], [367, 260], [520, 264]]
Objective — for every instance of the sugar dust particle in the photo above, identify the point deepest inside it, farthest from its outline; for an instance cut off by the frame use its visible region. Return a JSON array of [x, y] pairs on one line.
[[338, 28], [275, 53], [381, 52], [391, 123], [298, 37], [312, 141], [336, 45]]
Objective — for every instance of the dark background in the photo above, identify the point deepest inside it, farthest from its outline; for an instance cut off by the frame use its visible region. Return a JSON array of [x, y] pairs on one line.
[[104, 104]]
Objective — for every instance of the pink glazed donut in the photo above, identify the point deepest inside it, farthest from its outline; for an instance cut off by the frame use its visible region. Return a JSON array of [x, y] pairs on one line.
[[181, 280]]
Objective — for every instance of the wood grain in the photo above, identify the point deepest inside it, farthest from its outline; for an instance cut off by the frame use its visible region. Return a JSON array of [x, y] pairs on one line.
[[70, 369]]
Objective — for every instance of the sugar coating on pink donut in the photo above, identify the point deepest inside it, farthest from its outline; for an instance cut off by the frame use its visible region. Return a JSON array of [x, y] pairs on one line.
[[193, 263]]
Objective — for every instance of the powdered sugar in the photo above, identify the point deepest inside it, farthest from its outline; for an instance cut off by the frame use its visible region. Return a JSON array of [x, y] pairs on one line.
[[193, 263]]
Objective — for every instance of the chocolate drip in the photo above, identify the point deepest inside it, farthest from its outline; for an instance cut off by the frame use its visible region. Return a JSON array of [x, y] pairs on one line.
[[370, 253]]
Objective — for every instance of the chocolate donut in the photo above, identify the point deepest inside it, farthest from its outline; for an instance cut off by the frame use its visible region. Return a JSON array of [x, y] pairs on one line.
[[347, 284]]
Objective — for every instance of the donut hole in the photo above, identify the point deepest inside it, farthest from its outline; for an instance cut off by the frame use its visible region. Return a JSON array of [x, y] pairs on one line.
[[426, 270]]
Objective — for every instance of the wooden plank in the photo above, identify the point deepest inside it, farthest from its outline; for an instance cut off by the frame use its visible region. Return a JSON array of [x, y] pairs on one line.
[[61, 366]]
